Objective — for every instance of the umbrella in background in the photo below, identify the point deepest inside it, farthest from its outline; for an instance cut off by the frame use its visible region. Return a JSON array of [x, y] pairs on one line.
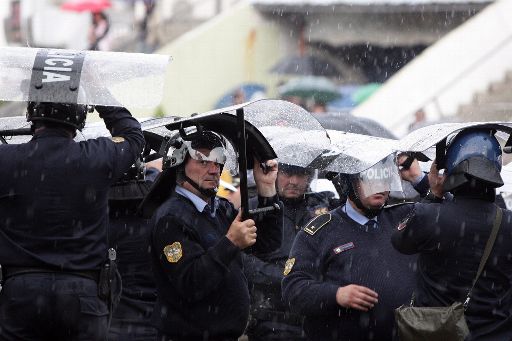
[[353, 124], [251, 91], [364, 92], [320, 89], [306, 66], [86, 5]]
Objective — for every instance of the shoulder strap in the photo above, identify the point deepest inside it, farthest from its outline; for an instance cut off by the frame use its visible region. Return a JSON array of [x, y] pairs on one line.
[[487, 251], [317, 223]]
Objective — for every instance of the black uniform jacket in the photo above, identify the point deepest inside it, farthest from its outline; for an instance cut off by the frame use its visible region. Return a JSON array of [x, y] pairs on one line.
[[265, 272], [202, 291], [53, 194], [340, 253], [450, 238]]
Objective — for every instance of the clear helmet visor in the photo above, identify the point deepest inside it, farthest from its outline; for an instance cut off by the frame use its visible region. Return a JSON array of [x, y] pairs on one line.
[[216, 155], [382, 177]]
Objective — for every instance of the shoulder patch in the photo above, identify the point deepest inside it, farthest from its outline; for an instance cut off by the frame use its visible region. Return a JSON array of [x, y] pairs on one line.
[[117, 139], [317, 223], [321, 210], [173, 252], [399, 204], [288, 266]]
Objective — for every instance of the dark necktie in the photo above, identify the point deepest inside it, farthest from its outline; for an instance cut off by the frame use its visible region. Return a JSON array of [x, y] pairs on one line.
[[207, 209], [371, 224]]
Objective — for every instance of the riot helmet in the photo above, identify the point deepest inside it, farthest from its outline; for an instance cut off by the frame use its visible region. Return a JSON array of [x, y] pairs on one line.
[[203, 145], [176, 152], [72, 115], [473, 155], [380, 178], [295, 170]]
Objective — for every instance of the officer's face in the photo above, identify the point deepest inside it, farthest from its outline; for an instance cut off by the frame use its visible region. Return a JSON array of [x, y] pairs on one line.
[[373, 201], [205, 173], [291, 186], [376, 200]]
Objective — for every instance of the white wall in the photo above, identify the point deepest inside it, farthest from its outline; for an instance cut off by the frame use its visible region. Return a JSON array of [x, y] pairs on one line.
[[447, 74]]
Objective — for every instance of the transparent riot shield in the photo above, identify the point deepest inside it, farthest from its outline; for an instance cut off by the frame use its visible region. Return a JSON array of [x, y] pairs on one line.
[[132, 80]]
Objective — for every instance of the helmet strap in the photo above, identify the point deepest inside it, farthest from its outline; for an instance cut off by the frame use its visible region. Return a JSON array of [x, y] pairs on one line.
[[206, 192]]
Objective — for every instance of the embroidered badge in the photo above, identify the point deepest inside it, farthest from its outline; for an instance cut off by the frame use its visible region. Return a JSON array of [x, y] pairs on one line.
[[321, 210], [117, 139], [288, 266], [173, 252], [344, 247]]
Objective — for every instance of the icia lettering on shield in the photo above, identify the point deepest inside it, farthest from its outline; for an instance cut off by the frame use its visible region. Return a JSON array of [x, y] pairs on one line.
[[57, 67]]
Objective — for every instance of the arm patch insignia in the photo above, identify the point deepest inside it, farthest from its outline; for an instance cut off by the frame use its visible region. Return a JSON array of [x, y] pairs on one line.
[[117, 139], [173, 252], [403, 223], [288, 266], [317, 223]]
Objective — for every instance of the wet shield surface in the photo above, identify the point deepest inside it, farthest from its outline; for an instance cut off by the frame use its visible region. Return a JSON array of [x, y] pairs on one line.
[[132, 80]]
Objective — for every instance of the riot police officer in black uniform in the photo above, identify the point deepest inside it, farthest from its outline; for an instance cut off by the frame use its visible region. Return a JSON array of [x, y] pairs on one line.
[[450, 237], [53, 222], [343, 274], [270, 318], [197, 240], [129, 235]]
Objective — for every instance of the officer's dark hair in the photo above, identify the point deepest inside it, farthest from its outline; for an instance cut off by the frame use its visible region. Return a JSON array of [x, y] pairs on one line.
[[70, 115], [473, 162]]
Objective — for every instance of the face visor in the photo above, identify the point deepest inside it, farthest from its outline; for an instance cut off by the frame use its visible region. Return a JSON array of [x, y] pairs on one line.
[[382, 177], [216, 155]]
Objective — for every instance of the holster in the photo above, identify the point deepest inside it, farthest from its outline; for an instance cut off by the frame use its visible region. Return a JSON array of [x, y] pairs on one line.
[[109, 283]]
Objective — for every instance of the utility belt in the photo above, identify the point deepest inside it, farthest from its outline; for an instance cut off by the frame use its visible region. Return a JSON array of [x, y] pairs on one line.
[[277, 316], [107, 278], [8, 272]]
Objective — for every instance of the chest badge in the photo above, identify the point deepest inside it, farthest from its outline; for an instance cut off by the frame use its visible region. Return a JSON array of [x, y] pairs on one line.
[[288, 266], [173, 252], [344, 247]]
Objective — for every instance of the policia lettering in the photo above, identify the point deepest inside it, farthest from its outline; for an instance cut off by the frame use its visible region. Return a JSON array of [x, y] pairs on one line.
[[56, 76]]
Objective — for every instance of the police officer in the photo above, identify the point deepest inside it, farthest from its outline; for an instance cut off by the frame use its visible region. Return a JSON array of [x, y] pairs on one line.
[[196, 244], [343, 274], [129, 235], [450, 237], [53, 225], [270, 318]]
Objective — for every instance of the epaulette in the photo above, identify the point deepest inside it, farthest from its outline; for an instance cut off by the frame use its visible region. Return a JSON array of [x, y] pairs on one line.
[[317, 223], [399, 204]]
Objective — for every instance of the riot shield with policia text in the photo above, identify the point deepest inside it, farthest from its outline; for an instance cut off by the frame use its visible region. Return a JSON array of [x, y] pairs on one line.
[[132, 80]]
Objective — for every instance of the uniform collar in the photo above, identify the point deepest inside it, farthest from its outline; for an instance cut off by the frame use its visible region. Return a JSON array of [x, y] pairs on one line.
[[51, 132], [196, 200], [355, 215]]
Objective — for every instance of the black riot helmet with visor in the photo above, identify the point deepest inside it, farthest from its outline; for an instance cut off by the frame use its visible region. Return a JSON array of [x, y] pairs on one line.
[[473, 160], [381, 177], [204, 146]]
